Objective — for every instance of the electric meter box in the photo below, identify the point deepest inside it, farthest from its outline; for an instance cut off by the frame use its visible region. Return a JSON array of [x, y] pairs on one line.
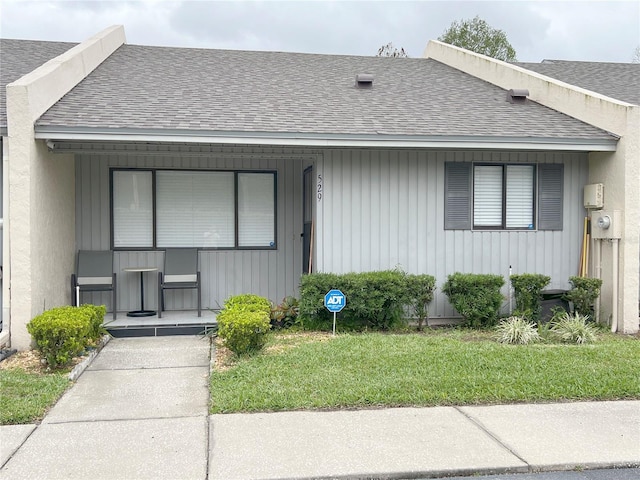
[[594, 195], [606, 224]]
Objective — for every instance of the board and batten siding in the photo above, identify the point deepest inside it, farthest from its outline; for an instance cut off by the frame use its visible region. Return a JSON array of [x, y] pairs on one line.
[[270, 273], [385, 209]]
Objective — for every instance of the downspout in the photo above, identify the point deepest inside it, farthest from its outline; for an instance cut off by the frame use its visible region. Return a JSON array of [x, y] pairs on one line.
[[614, 306], [597, 271], [5, 281]]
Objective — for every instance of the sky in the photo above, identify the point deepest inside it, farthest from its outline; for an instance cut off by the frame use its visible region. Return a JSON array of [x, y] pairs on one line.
[[604, 31]]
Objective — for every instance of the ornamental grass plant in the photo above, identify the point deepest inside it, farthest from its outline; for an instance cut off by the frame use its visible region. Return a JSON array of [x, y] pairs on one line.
[[516, 330], [574, 328]]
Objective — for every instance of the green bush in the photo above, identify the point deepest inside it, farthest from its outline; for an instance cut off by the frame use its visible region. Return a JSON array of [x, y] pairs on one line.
[[516, 330], [574, 329], [285, 315], [584, 293], [419, 294], [375, 300], [61, 333], [476, 297], [249, 301], [96, 320], [527, 288], [244, 322]]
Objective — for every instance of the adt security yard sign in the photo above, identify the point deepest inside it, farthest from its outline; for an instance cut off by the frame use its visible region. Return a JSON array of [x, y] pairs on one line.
[[335, 301]]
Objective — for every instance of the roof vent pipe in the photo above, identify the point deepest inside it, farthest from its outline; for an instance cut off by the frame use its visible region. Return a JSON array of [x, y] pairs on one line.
[[517, 95], [364, 80]]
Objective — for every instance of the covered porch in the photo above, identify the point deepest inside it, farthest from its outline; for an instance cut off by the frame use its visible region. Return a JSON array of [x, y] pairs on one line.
[[109, 188]]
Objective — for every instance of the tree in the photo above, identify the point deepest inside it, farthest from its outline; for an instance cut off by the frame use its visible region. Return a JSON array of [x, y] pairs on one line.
[[636, 55], [478, 36], [389, 50]]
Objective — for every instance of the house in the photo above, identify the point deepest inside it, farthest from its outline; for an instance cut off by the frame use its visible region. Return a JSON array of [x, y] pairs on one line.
[[274, 164]]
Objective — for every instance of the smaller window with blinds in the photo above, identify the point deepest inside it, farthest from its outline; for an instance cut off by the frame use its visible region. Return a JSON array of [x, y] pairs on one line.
[[503, 197], [498, 196]]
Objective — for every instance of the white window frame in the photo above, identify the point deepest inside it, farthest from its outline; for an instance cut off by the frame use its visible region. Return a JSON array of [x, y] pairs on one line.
[[199, 232]]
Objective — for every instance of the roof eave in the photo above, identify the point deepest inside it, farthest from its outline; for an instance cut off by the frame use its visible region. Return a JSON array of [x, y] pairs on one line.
[[54, 134]]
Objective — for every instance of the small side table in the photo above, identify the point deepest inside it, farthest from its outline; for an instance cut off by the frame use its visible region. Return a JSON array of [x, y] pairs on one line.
[[142, 312]]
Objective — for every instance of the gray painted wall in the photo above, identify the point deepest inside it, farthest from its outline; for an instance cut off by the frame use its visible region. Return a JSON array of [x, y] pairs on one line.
[[273, 273], [374, 210], [381, 210]]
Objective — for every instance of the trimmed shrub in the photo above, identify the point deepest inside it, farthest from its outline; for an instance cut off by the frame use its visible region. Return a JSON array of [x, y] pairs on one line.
[[584, 293], [248, 301], [375, 300], [419, 294], [96, 320], [61, 333], [476, 297], [244, 322], [527, 288], [574, 329], [516, 330]]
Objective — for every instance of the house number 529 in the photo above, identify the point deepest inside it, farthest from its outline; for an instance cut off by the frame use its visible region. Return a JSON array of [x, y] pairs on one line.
[[319, 187]]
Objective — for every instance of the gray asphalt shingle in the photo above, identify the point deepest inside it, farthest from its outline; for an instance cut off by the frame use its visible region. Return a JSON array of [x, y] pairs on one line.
[[19, 57], [187, 90], [616, 80], [142, 87]]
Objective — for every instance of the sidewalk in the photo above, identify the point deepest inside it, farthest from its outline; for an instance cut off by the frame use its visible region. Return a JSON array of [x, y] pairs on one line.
[[140, 412]]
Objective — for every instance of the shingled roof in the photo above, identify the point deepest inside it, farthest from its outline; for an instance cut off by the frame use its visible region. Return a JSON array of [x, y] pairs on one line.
[[19, 57], [142, 88], [616, 80]]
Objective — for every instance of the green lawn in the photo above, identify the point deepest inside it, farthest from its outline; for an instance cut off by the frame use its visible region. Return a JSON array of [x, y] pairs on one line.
[[445, 368], [25, 397]]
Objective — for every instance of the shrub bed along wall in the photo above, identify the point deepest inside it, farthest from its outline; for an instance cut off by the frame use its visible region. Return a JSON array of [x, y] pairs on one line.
[[375, 300]]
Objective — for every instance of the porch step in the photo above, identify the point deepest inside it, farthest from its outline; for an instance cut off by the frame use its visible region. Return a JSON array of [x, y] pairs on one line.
[[161, 330]]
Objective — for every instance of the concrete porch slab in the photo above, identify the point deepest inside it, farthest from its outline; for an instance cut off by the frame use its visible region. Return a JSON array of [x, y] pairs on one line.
[[131, 394], [393, 443], [141, 449], [566, 435]]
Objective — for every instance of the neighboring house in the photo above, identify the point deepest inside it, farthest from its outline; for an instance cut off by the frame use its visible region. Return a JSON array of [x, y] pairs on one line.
[[276, 163]]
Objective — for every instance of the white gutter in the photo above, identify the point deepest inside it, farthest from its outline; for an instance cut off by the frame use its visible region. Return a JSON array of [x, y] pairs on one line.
[[57, 134]]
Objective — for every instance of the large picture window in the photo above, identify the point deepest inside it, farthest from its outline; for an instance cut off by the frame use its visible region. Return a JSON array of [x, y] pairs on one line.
[[204, 209]]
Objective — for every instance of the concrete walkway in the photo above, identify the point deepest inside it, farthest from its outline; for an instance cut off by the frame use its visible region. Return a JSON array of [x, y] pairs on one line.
[[140, 412]]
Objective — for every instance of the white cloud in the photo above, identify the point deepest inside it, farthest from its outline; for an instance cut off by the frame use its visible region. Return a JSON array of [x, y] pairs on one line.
[[578, 30]]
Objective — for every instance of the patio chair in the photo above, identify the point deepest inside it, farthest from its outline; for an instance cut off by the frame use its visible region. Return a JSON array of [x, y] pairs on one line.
[[180, 272], [94, 273]]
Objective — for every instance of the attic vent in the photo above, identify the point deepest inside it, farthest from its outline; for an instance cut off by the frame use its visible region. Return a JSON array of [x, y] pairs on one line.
[[517, 95], [364, 80]]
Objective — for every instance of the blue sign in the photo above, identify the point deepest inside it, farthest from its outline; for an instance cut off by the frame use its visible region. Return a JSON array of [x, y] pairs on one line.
[[335, 300]]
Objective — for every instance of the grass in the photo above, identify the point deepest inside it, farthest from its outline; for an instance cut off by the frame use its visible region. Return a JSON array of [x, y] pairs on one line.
[[447, 368], [26, 396]]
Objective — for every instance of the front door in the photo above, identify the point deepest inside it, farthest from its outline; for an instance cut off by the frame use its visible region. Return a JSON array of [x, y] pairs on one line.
[[307, 220]]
